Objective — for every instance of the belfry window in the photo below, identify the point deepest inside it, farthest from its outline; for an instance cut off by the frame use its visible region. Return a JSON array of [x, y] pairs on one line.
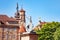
[[18, 14]]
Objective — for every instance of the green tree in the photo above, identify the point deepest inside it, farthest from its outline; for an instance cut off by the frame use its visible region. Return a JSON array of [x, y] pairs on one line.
[[57, 34], [47, 31]]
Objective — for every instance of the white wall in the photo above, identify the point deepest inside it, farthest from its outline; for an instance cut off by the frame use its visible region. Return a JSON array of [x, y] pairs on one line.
[[25, 38]]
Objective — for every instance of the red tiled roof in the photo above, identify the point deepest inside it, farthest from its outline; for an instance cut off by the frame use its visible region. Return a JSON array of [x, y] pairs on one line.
[[39, 26], [12, 19], [5, 18], [22, 29], [42, 23]]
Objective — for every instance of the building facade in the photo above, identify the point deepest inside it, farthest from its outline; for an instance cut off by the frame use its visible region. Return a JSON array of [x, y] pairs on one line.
[[13, 28]]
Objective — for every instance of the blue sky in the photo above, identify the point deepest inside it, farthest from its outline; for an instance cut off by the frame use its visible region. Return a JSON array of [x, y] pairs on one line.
[[47, 10]]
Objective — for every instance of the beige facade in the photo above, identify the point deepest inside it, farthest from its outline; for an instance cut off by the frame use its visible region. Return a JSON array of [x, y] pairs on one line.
[[29, 36], [25, 38]]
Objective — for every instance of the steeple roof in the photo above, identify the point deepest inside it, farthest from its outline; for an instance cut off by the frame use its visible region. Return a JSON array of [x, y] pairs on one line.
[[22, 10]]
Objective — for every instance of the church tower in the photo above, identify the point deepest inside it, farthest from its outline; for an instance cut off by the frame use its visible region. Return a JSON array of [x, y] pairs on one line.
[[17, 14], [20, 17], [20, 14]]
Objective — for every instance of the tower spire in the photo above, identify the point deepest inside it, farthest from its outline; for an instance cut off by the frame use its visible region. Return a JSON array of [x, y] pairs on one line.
[[30, 19], [17, 8]]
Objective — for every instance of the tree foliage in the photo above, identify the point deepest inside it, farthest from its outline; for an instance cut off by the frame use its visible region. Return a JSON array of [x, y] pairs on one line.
[[57, 34], [49, 31]]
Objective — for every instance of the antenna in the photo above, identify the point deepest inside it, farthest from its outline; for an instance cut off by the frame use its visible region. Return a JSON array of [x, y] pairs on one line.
[[21, 4]]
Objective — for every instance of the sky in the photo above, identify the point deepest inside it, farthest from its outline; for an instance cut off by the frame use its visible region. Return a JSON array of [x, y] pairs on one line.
[[46, 10]]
